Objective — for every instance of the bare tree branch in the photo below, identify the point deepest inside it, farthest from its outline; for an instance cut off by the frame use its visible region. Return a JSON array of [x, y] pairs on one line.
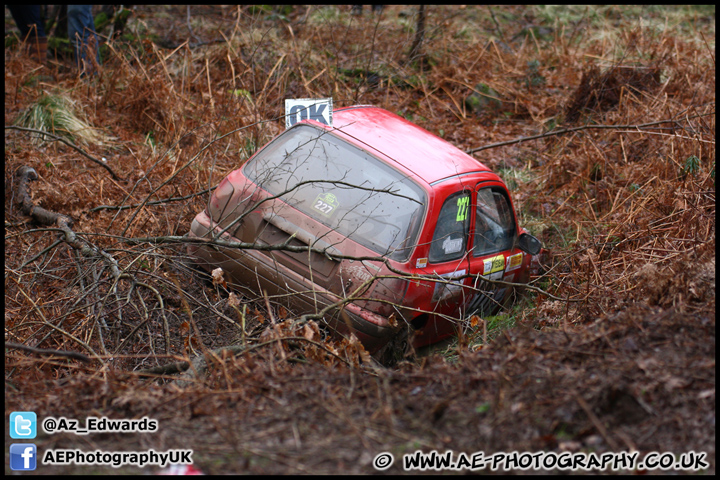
[[69, 144], [156, 202], [25, 175], [45, 351], [577, 129]]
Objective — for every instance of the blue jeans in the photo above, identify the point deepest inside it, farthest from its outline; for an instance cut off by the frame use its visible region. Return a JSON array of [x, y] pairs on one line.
[[81, 30]]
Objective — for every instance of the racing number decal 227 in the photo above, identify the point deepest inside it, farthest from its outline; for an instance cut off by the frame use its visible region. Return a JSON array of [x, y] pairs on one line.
[[325, 203], [462, 212]]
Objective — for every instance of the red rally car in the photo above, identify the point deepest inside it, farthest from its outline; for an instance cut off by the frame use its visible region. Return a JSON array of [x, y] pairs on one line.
[[394, 226]]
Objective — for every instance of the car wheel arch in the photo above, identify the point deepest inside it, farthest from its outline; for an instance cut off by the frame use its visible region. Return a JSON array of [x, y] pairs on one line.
[[420, 321]]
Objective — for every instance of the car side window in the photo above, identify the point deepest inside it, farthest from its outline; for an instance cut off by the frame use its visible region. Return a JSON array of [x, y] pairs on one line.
[[494, 222], [451, 231]]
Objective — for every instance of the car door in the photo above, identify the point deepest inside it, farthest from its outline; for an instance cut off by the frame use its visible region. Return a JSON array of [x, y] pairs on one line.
[[494, 255], [448, 260]]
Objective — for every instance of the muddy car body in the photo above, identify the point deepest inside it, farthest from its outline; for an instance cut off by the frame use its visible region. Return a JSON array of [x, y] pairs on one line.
[[403, 228]]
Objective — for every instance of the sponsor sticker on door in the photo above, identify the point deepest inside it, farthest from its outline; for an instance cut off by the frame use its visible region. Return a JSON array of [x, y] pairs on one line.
[[514, 262], [493, 264]]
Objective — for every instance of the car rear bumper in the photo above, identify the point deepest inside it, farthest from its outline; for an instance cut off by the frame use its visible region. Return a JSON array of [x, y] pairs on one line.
[[252, 271]]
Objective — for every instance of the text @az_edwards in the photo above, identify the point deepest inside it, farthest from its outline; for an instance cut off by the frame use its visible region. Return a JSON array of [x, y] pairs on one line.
[[99, 424]]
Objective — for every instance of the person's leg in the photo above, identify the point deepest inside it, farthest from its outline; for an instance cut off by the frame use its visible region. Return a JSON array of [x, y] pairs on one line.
[[27, 18], [81, 30]]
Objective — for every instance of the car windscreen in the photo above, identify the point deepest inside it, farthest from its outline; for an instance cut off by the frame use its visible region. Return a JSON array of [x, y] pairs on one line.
[[343, 187]]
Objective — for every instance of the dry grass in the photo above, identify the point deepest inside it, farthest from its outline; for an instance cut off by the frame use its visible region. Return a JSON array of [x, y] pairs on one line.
[[56, 113]]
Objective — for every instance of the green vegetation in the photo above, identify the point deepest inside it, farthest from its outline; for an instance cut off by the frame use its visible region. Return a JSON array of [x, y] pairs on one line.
[[56, 113]]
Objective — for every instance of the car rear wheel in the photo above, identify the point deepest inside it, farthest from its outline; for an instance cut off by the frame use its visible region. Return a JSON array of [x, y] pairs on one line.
[[399, 348]]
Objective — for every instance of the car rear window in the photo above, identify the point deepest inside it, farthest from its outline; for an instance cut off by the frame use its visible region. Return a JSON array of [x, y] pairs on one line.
[[343, 187]]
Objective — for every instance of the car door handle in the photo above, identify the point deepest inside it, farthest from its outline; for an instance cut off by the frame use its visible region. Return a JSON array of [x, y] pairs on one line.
[[303, 235]]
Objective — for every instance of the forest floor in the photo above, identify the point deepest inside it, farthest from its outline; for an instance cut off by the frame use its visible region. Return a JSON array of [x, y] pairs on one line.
[[625, 207]]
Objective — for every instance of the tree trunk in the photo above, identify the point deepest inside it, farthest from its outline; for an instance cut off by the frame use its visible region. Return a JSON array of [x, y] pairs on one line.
[[416, 49]]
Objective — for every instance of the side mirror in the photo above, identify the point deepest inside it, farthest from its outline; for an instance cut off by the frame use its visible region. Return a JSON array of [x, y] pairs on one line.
[[529, 244]]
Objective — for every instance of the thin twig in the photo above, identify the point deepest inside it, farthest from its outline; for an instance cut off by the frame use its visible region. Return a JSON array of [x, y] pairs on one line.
[[44, 251], [69, 144], [576, 129], [45, 351], [155, 202], [668, 135], [234, 350], [187, 164], [54, 327], [497, 25], [596, 421]]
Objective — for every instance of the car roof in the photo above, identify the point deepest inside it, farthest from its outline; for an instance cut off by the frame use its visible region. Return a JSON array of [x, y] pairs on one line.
[[426, 155]]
